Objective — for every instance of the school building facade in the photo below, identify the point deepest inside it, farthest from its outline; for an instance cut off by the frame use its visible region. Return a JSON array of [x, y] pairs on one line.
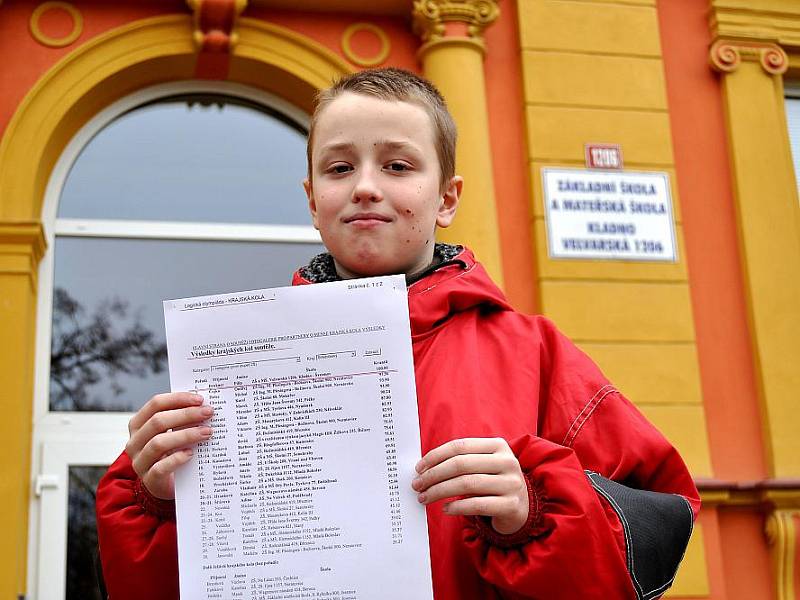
[[698, 92]]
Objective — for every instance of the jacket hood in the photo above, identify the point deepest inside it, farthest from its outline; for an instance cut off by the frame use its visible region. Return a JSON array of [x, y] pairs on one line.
[[461, 285], [456, 285]]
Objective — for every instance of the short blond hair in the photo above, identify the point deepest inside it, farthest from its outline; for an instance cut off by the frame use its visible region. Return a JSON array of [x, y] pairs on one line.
[[395, 84]]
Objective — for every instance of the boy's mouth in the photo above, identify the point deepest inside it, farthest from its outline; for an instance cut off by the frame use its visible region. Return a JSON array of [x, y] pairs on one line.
[[367, 218]]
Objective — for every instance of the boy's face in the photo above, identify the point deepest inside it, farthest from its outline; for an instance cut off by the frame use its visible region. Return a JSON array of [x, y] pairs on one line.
[[375, 197]]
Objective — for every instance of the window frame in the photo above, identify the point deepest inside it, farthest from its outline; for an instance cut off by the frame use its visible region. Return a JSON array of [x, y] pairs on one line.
[[100, 431], [791, 90]]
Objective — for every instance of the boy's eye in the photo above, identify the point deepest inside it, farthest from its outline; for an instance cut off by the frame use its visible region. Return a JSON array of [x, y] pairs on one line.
[[340, 168], [398, 166]]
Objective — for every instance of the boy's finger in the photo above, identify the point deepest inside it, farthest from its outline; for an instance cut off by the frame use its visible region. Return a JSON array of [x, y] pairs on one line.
[[466, 485], [484, 506], [166, 443], [463, 464], [155, 479], [163, 421], [461, 446], [162, 402]]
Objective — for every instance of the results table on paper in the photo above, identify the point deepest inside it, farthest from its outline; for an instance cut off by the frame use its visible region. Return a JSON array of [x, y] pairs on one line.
[[303, 491]]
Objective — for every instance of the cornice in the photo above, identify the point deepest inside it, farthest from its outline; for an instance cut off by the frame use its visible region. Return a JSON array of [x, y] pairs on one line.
[[28, 234], [770, 21], [396, 8], [22, 245], [776, 493]]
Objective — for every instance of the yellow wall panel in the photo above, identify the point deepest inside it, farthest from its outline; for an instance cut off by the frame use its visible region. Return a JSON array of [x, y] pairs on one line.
[[537, 188], [17, 314], [593, 80], [611, 29], [685, 427], [560, 133], [692, 578], [614, 311], [662, 373], [563, 268]]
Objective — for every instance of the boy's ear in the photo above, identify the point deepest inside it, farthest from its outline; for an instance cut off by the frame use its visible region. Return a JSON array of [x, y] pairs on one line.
[[312, 204], [449, 201]]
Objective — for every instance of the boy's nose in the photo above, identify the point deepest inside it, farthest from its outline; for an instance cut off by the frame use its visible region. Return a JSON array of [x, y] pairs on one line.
[[366, 189]]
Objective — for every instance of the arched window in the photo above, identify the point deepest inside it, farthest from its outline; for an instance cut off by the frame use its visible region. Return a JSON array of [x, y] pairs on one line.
[[179, 190]]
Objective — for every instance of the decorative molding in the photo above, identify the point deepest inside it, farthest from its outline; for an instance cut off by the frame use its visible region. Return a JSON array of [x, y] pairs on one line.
[[781, 534], [760, 21], [22, 246], [365, 61], [28, 234], [430, 16], [215, 24], [727, 55], [764, 492], [46, 40]]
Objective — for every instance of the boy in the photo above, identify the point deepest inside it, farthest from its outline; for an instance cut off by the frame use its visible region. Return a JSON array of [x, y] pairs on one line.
[[553, 486]]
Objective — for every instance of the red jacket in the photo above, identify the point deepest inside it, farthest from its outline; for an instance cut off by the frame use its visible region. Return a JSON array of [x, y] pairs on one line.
[[612, 503]]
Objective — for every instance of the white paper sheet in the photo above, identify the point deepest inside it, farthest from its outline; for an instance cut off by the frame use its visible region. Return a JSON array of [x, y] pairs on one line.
[[304, 489]]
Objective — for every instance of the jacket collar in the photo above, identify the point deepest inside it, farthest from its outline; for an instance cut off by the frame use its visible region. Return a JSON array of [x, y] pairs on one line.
[[454, 283], [321, 268]]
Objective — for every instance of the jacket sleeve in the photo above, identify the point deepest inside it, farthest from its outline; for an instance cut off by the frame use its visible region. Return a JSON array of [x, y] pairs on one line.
[[137, 537], [612, 503]]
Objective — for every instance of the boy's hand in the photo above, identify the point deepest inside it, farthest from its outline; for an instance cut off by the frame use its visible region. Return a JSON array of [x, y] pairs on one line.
[[160, 436], [485, 472]]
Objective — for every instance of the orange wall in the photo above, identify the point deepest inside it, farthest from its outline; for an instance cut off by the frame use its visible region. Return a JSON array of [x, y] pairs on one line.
[[25, 60], [796, 565], [327, 29], [709, 221], [507, 126], [745, 556], [708, 519]]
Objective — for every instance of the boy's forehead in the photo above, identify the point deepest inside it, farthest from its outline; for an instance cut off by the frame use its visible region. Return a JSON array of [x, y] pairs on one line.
[[350, 115]]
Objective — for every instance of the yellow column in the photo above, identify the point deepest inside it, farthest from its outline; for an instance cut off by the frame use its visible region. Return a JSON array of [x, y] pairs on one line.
[[784, 538], [453, 61], [769, 234], [21, 246]]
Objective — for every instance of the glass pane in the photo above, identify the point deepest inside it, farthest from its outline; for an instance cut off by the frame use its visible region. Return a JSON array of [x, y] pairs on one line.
[[83, 580], [192, 158], [793, 120], [108, 350]]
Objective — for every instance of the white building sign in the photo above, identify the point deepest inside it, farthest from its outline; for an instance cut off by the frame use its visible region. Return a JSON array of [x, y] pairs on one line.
[[609, 215]]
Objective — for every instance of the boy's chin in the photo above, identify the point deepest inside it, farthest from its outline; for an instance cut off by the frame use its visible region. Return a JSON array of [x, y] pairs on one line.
[[372, 267], [372, 260]]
